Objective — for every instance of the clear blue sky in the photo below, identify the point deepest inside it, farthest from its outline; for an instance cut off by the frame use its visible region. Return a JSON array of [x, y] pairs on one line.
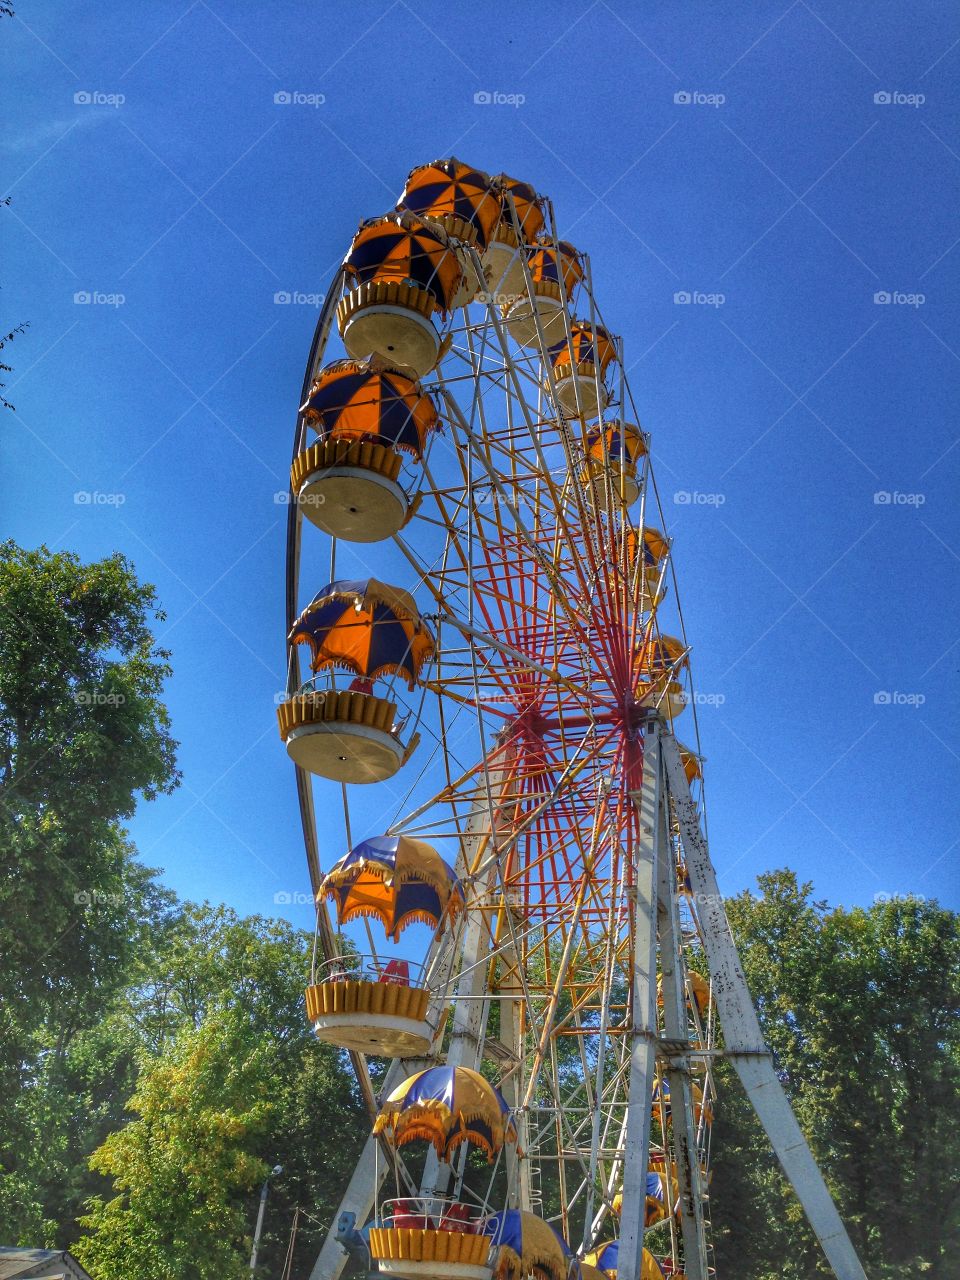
[[796, 400]]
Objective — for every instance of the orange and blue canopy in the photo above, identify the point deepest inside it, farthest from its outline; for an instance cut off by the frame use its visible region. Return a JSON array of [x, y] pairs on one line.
[[558, 263], [527, 1246], [588, 344], [589, 1272], [656, 1199], [659, 654], [662, 1090], [402, 248], [528, 204], [697, 982], [447, 1106], [607, 1256], [450, 188], [691, 763], [656, 1209], [619, 441], [397, 879], [366, 627], [655, 546], [351, 401]]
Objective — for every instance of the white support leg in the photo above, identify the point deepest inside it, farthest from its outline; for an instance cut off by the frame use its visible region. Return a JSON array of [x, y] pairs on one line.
[[362, 1189], [743, 1038], [643, 1012], [511, 1034], [676, 1027]]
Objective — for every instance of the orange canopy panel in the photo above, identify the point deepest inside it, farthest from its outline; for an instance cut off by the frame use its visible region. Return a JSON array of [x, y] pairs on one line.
[[560, 264], [446, 1106], [619, 441], [589, 345], [662, 1090], [365, 627], [700, 987], [655, 545], [403, 248], [466, 199], [351, 400], [397, 879], [528, 204], [659, 654], [691, 763]]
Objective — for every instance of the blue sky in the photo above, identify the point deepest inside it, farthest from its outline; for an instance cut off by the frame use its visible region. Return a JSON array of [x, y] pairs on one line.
[[734, 153]]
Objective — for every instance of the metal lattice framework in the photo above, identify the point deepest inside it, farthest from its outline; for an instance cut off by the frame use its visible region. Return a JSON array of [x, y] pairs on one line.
[[587, 973]]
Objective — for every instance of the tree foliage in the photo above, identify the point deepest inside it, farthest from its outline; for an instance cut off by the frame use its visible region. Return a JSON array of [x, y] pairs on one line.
[[860, 1008], [83, 733], [232, 1082]]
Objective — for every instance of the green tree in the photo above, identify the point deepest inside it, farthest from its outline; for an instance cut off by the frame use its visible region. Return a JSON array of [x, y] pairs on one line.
[[184, 1164], [83, 734], [860, 1008], [231, 1083]]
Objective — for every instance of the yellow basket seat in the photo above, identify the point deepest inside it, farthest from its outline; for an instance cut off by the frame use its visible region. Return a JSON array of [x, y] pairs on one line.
[[383, 1017], [348, 488], [418, 1253], [344, 735]]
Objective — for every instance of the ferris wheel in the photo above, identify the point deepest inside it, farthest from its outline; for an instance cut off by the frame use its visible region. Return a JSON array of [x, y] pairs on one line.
[[516, 907]]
